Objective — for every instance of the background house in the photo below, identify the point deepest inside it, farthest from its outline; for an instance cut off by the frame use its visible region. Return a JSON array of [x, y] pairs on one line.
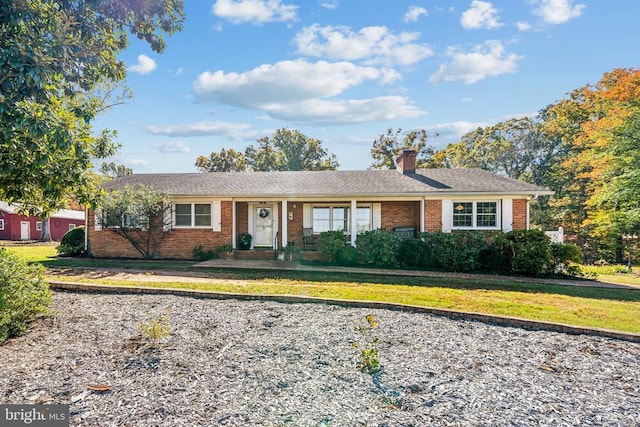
[[279, 208], [14, 226]]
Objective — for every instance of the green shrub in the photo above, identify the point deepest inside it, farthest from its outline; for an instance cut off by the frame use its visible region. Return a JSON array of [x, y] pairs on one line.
[[201, 254], [566, 259], [72, 243], [491, 260], [347, 255], [379, 248], [414, 253], [456, 251], [24, 294], [331, 242], [527, 252]]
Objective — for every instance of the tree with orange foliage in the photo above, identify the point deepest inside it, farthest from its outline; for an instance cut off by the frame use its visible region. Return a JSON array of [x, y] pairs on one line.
[[598, 187]]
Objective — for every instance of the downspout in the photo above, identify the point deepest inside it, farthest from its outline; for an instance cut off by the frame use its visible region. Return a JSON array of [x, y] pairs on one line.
[[421, 216], [354, 226], [86, 230], [233, 224]]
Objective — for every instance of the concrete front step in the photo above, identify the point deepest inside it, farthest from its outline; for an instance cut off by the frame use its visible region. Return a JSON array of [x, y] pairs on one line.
[[255, 254]]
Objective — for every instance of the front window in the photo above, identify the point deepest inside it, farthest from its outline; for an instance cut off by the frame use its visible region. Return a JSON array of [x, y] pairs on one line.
[[475, 214], [336, 218], [192, 215], [463, 214], [363, 219], [1, 224], [72, 226], [39, 225]]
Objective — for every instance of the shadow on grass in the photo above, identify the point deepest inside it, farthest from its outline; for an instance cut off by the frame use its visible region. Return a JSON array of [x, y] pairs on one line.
[[104, 268]]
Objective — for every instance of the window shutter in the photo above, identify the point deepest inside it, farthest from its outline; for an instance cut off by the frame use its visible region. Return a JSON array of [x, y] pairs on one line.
[[447, 215], [507, 214], [216, 216], [97, 220], [376, 216], [306, 216], [167, 220]]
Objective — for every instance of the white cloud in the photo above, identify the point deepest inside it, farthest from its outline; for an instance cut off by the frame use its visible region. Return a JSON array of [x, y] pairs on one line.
[[331, 5], [172, 147], [254, 11], [373, 45], [138, 162], [414, 13], [486, 60], [523, 26], [233, 130], [467, 99], [342, 112], [482, 14], [285, 82], [558, 11], [145, 65]]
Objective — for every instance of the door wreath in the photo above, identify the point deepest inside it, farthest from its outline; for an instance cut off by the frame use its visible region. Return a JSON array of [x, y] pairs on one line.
[[263, 213]]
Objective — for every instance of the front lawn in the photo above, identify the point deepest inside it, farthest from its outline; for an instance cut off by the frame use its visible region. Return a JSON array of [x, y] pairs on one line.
[[617, 309]]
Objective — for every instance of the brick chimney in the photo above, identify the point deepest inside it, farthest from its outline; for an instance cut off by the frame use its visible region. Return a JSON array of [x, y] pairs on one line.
[[406, 162]]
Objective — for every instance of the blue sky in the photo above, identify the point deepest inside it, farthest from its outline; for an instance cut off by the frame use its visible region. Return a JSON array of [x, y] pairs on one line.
[[344, 71]]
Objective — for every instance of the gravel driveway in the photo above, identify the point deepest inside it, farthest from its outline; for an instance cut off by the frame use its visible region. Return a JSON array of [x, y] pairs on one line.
[[248, 363]]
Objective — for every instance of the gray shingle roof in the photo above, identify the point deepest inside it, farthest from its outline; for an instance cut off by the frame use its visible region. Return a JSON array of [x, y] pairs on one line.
[[371, 183]]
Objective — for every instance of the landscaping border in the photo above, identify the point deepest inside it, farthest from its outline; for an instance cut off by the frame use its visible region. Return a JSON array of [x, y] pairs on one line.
[[452, 314]]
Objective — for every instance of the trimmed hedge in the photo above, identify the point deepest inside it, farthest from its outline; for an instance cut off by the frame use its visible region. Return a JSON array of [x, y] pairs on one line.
[[24, 294], [520, 252]]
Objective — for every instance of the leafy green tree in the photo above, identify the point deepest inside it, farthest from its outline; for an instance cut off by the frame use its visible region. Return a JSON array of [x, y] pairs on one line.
[[289, 150], [600, 186], [140, 215], [225, 161], [286, 150], [387, 147], [112, 170], [59, 67], [517, 148]]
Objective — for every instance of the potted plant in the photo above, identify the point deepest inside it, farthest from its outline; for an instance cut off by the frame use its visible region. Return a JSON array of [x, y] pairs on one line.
[[244, 241], [289, 251], [225, 251]]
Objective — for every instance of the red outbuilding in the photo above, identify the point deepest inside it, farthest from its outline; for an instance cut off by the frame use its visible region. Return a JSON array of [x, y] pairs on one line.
[[14, 226]]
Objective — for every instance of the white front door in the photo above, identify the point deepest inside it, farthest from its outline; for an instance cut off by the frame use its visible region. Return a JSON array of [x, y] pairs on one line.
[[24, 230], [263, 226]]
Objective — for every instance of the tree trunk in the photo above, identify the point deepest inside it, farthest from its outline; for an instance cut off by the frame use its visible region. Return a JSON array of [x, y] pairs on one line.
[[46, 229]]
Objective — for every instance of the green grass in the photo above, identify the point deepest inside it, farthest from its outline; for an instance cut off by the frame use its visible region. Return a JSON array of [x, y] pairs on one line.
[[617, 309]]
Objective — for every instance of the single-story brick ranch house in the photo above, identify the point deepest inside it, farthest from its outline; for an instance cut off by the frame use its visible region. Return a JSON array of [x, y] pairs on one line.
[[280, 208], [15, 226]]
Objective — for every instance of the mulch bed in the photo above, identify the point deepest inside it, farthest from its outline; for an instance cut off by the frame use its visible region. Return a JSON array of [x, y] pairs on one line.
[[261, 363]]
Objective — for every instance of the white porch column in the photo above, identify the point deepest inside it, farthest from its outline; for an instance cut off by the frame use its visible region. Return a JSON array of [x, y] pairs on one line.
[[352, 220], [421, 216], [233, 224], [285, 223]]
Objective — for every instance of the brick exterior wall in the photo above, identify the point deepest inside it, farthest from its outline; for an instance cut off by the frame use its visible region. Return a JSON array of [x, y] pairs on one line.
[[174, 244], [432, 215], [179, 243], [519, 214], [400, 214]]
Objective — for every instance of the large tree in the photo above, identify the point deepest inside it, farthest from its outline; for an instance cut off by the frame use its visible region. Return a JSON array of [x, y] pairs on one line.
[[286, 150], [387, 147], [517, 148], [601, 183], [59, 66], [224, 161]]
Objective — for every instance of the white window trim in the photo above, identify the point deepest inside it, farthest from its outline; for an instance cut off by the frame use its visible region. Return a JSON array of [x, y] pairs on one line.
[[72, 226], [38, 225], [474, 214], [193, 216], [1, 223], [351, 216]]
